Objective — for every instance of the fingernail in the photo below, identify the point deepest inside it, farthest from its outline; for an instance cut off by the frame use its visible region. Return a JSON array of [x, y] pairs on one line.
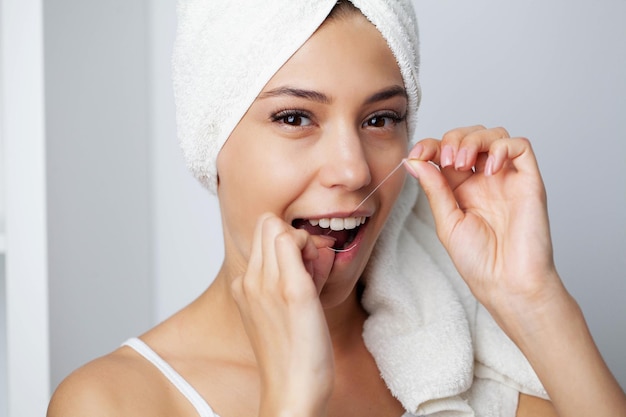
[[461, 159], [408, 164], [416, 152], [447, 154]]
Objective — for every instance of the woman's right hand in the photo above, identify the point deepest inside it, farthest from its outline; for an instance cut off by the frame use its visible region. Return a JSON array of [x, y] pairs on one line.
[[278, 298]]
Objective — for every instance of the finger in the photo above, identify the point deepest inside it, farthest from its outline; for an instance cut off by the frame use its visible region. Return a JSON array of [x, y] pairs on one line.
[[516, 153], [317, 263], [256, 250], [472, 150], [296, 283], [322, 265], [430, 150], [460, 153], [320, 242], [273, 227], [440, 196], [456, 164], [249, 283], [237, 290], [308, 249], [450, 143], [475, 143], [426, 150]]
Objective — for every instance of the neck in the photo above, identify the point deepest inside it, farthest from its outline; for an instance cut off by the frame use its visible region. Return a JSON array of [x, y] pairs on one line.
[[345, 321]]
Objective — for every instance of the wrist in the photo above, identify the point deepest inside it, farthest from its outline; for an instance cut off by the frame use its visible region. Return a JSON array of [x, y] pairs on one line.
[[555, 320], [537, 315]]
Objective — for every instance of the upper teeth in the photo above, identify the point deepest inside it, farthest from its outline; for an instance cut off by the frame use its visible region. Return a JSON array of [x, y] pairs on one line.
[[336, 223]]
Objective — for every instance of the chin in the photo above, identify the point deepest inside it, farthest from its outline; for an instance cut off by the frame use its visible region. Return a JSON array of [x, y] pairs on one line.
[[337, 292]]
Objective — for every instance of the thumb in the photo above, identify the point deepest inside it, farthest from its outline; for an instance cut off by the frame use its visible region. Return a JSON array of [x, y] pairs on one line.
[[440, 196]]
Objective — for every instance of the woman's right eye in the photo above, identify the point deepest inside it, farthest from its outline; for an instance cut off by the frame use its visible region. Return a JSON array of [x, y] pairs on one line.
[[292, 118]]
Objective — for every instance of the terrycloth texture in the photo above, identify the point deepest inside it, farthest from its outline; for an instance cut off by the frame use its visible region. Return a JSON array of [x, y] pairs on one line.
[[439, 352], [436, 347], [226, 51]]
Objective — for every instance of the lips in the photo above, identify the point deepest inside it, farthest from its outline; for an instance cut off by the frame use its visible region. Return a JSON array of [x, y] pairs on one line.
[[342, 229]]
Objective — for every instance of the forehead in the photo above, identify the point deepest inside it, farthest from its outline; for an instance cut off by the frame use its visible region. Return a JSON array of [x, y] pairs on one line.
[[348, 52]]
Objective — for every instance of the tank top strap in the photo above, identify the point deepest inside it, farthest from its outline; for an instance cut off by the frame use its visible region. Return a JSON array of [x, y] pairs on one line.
[[201, 406]]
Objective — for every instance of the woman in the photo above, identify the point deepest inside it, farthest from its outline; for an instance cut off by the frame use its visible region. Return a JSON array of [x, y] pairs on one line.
[[304, 316]]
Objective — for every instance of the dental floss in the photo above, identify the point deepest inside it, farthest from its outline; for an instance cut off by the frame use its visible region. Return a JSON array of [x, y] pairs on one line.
[[365, 199], [342, 250], [379, 184]]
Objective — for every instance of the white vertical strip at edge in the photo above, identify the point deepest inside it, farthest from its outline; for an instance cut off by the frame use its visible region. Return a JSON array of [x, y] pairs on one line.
[[23, 116]]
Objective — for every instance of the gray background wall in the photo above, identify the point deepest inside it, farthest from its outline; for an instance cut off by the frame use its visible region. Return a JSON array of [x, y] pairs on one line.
[[98, 176], [134, 237]]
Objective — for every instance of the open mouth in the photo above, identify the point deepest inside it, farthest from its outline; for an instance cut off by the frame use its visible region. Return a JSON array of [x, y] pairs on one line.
[[343, 229]]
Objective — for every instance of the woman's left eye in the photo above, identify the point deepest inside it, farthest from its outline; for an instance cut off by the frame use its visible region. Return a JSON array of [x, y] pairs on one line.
[[383, 120]]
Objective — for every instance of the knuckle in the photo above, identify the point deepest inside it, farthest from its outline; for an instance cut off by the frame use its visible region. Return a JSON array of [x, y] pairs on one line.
[[236, 288], [479, 127], [452, 136], [429, 141], [293, 293], [430, 145], [501, 132], [455, 136], [274, 225], [264, 218], [248, 286], [284, 239]]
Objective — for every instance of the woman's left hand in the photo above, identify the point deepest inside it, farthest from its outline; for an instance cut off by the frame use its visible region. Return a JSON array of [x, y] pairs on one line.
[[489, 205]]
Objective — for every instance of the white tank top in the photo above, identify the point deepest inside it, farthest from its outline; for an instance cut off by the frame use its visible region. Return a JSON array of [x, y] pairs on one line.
[[201, 406]]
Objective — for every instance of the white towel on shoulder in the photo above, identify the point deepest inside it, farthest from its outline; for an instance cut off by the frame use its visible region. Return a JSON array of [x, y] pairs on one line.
[[431, 339]]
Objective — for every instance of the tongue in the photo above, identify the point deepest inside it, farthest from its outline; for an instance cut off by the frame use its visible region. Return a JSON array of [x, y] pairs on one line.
[[341, 236]]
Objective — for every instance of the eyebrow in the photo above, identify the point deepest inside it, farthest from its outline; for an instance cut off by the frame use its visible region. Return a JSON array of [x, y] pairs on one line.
[[297, 92], [312, 95], [387, 93]]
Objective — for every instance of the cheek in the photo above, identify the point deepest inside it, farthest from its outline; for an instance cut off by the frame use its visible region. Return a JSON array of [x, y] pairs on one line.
[[237, 194], [255, 177], [242, 167]]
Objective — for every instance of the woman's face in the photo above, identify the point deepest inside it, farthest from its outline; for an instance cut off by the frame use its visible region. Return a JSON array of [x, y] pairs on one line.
[[325, 130]]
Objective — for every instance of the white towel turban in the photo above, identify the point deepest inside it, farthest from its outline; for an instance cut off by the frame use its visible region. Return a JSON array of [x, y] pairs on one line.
[[227, 50]]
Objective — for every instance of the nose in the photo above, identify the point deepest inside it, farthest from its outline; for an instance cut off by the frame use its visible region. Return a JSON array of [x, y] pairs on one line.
[[344, 161]]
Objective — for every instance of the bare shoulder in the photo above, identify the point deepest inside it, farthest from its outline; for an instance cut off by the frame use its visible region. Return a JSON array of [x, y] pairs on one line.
[[120, 383], [530, 406]]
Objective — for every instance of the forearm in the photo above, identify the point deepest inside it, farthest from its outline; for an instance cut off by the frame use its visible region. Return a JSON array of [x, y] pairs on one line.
[[294, 397], [557, 342]]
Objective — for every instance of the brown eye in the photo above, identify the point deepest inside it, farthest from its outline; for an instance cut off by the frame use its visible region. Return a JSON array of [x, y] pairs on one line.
[[296, 120], [292, 118], [384, 120], [378, 121]]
